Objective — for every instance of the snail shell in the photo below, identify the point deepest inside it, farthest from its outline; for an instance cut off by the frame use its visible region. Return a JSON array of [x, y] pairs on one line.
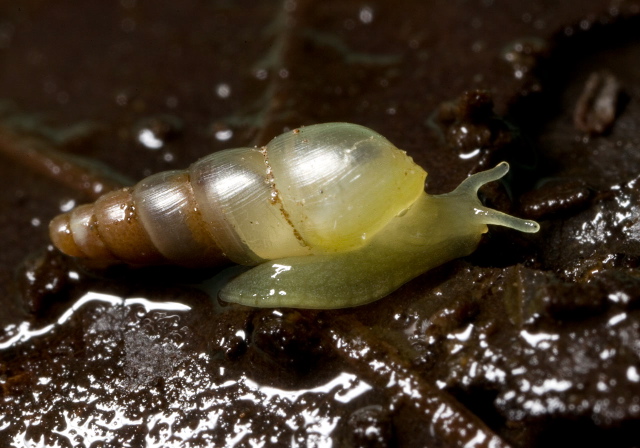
[[331, 215]]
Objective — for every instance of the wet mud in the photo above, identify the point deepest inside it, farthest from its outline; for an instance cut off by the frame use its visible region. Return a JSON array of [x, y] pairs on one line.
[[532, 341]]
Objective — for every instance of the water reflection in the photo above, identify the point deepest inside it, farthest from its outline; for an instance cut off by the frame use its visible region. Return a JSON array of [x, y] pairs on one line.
[[24, 332], [348, 387], [132, 385], [308, 413]]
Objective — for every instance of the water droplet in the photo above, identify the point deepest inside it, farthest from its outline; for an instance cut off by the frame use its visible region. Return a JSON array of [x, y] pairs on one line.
[[223, 90], [122, 99], [67, 205], [261, 74], [224, 134], [154, 132], [366, 14], [149, 139]]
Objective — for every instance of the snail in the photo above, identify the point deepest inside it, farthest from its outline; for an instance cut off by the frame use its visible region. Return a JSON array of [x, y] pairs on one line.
[[331, 215]]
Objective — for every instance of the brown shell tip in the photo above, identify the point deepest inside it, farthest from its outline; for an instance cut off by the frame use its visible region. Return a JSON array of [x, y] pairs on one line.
[[62, 237]]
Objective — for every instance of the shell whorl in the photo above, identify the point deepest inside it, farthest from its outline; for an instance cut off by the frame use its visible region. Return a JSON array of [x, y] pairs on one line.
[[154, 222]]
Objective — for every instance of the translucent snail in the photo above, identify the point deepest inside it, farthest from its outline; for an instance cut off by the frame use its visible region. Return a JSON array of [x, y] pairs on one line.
[[331, 216]]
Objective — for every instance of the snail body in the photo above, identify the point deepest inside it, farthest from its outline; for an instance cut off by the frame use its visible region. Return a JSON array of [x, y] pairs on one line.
[[331, 216]]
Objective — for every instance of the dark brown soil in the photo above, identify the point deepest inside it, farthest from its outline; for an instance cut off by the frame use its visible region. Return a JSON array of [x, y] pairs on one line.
[[532, 341]]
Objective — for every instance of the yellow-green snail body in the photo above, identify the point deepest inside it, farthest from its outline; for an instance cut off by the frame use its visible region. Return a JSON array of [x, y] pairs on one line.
[[331, 216]]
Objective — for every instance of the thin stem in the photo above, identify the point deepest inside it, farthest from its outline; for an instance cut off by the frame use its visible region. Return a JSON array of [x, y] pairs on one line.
[[475, 181], [495, 217]]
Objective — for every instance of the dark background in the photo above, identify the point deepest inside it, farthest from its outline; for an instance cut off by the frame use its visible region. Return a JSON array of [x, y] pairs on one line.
[[532, 341]]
